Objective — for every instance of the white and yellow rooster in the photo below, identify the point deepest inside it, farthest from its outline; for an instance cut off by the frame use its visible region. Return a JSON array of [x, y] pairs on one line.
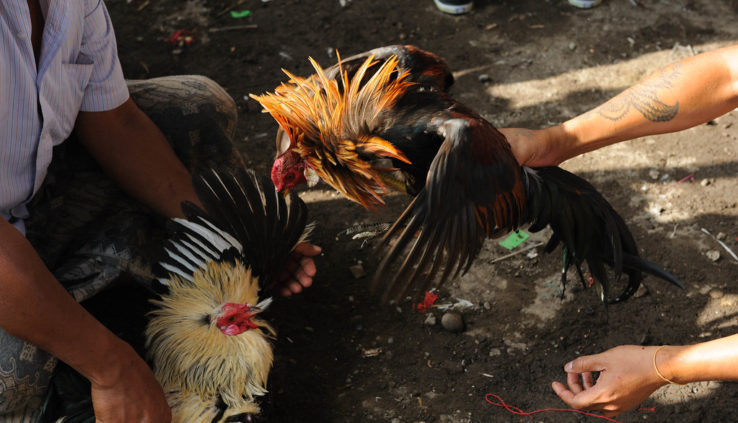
[[210, 350]]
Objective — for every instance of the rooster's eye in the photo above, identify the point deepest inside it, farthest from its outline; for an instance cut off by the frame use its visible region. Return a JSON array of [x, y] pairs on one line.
[[289, 177]]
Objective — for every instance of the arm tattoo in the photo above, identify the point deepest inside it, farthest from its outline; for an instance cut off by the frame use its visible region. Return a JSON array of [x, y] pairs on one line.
[[644, 98]]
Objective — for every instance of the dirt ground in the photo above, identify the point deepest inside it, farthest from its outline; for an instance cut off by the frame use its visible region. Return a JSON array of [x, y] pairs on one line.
[[341, 356]]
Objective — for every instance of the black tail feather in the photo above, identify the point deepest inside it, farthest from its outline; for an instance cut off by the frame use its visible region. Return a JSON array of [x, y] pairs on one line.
[[249, 209], [589, 228]]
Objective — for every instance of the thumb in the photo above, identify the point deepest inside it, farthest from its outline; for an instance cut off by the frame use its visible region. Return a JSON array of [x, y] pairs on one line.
[[586, 363], [307, 249]]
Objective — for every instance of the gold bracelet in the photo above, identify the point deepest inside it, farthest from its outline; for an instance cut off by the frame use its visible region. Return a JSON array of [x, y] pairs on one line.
[[657, 369]]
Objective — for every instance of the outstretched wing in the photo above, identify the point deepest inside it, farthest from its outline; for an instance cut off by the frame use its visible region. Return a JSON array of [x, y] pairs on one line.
[[473, 191], [243, 218]]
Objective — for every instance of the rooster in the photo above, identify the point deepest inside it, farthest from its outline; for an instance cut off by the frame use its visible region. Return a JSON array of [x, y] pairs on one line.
[[210, 350], [383, 120]]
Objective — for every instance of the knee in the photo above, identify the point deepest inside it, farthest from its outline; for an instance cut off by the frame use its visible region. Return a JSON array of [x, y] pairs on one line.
[[212, 93], [185, 101], [25, 372]]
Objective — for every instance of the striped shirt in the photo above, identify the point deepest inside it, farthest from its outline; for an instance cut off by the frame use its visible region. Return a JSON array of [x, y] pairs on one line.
[[78, 70]]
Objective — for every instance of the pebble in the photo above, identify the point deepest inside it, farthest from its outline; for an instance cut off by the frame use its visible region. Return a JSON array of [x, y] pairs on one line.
[[572, 45], [358, 271], [430, 320], [705, 182], [713, 255], [494, 352], [484, 78], [653, 173], [642, 291], [720, 236], [716, 293], [452, 321]]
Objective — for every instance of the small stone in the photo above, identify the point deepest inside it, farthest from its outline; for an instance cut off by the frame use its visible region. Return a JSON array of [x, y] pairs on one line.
[[705, 182], [452, 321], [494, 352], [358, 271], [484, 78], [572, 45], [641, 291], [713, 255], [653, 174], [487, 305], [430, 320], [716, 293], [720, 236]]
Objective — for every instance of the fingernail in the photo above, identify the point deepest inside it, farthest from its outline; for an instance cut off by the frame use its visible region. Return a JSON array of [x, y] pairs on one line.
[[569, 365]]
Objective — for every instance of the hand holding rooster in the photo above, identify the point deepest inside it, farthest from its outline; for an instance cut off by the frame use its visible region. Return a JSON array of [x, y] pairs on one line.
[[676, 97], [299, 270]]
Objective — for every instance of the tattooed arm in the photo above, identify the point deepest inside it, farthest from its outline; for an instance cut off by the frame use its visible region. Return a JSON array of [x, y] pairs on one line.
[[676, 97]]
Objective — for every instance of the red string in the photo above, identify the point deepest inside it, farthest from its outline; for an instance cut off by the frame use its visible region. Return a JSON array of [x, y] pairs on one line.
[[516, 410], [430, 298]]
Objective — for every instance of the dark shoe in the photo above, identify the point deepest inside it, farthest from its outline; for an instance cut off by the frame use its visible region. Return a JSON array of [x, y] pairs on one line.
[[454, 7]]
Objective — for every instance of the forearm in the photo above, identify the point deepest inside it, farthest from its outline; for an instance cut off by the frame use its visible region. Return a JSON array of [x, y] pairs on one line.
[[135, 153], [712, 360], [676, 97], [36, 308]]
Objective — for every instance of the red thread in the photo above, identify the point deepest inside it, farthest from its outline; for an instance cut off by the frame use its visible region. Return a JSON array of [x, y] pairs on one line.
[[516, 410], [181, 37], [651, 409], [688, 177], [428, 301]]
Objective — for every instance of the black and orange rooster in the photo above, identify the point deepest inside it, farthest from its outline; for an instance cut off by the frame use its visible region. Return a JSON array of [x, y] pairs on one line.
[[210, 350], [384, 119]]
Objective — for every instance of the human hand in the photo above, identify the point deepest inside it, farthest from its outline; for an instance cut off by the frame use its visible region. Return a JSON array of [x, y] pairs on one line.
[[532, 148], [300, 269], [627, 377], [129, 393]]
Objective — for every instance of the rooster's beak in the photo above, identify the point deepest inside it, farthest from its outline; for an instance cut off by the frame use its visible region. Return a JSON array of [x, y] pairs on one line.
[[263, 305]]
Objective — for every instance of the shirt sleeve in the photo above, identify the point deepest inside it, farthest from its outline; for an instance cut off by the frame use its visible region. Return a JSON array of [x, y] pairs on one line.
[[106, 88]]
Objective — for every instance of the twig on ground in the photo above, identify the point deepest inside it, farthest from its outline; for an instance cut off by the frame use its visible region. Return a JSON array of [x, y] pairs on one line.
[[722, 244], [507, 256], [233, 28]]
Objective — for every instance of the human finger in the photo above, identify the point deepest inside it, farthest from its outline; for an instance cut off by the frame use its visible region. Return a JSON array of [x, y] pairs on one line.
[[307, 266], [587, 380], [288, 269], [583, 364], [307, 249], [574, 382], [565, 394]]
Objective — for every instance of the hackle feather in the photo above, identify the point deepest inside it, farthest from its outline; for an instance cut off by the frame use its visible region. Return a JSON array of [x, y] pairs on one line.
[[198, 357], [330, 122]]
